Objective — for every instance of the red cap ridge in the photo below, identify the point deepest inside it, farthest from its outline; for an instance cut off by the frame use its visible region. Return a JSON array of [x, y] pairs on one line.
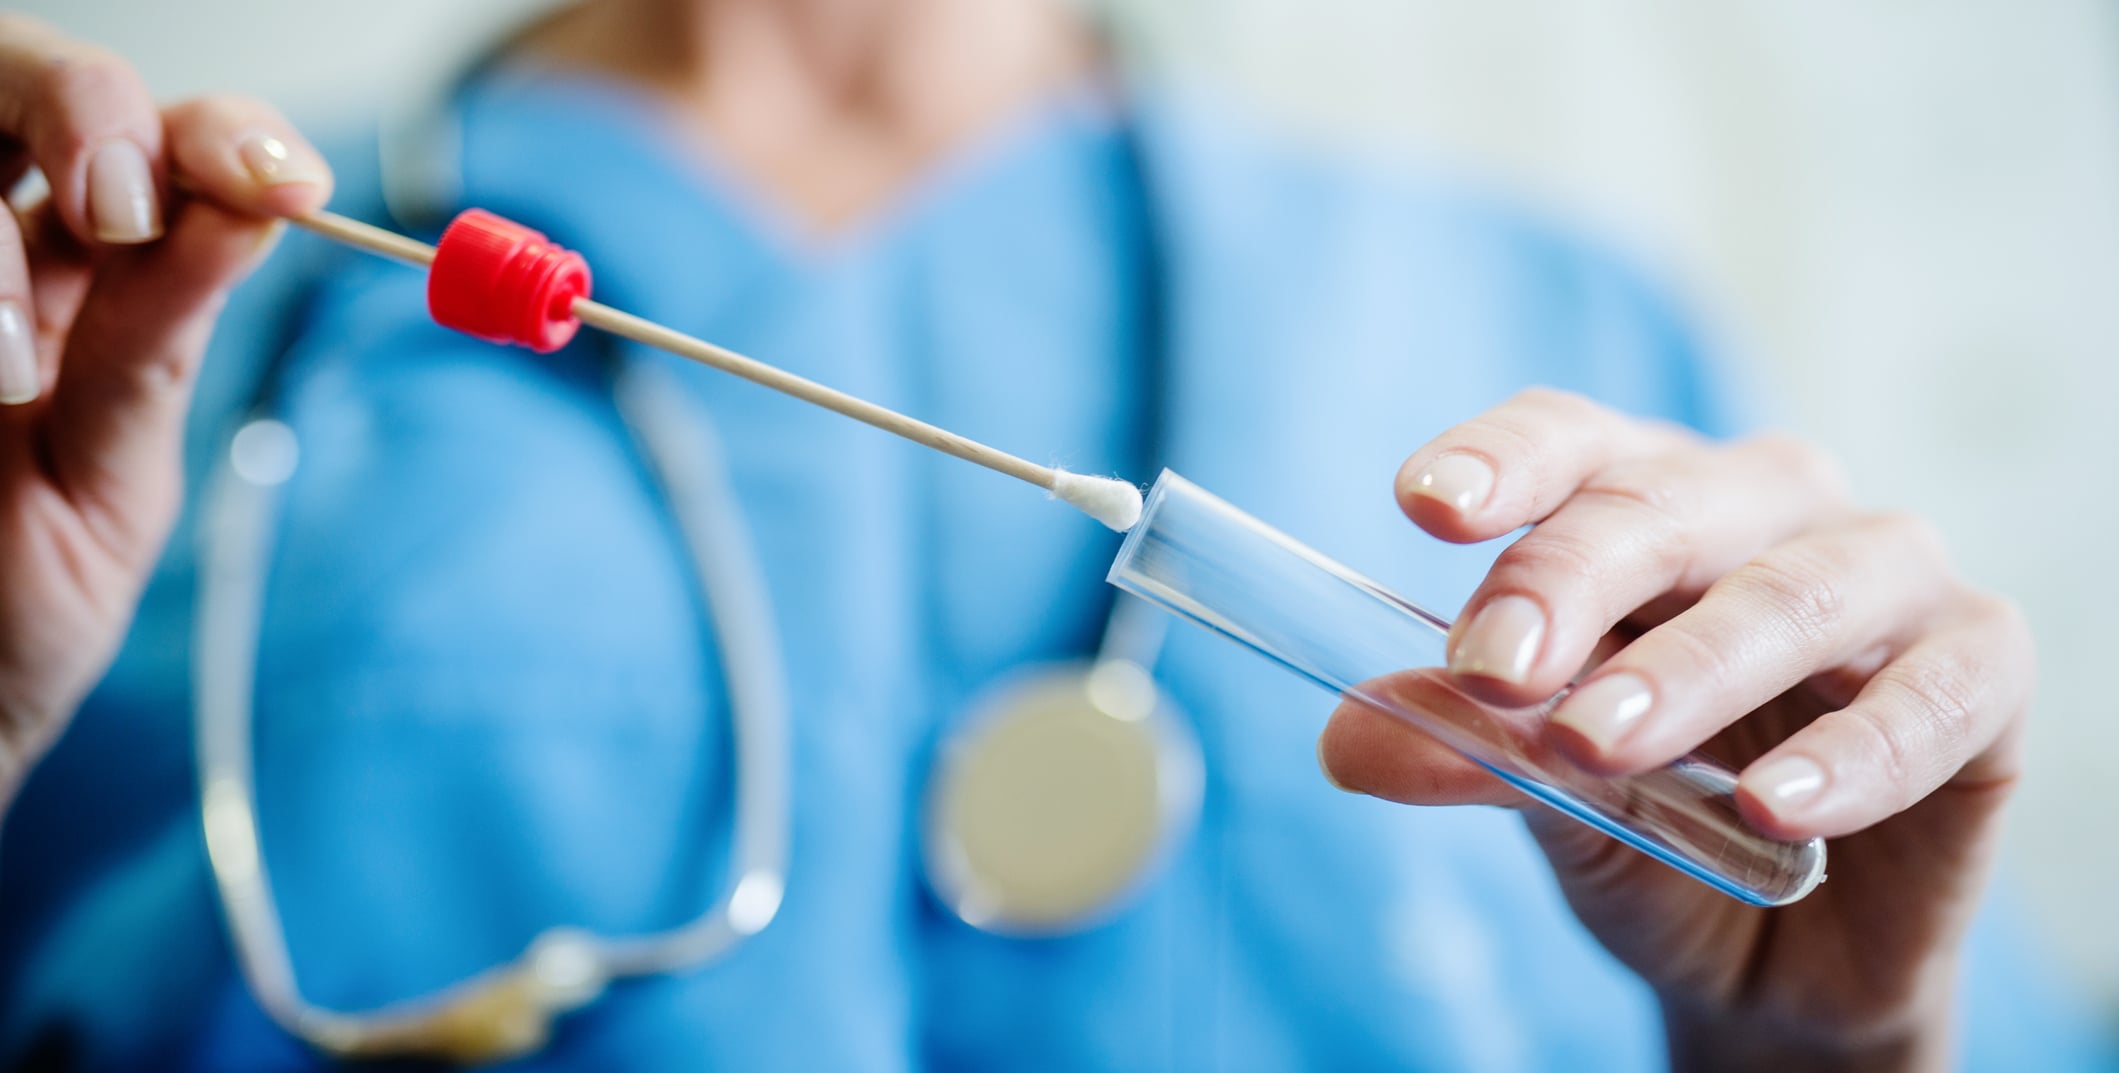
[[502, 282]]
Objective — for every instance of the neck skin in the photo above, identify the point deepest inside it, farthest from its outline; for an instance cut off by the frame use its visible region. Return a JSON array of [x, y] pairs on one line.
[[830, 107]]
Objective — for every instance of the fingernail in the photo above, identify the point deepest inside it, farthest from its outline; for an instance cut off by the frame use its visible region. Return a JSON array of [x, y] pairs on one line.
[[1330, 779], [18, 356], [121, 194], [1463, 481], [273, 163], [1603, 711], [1787, 782], [1502, 641]]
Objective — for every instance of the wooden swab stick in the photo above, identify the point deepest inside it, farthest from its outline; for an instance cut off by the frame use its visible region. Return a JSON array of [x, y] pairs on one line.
[[1112, 502], [618, 322], [368, 237]]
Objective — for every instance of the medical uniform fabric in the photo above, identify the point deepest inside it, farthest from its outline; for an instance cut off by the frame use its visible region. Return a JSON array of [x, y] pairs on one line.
[[487, 701]]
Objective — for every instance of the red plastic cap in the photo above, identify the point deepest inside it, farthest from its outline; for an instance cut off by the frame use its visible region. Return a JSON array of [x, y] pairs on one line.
[[504, 283]]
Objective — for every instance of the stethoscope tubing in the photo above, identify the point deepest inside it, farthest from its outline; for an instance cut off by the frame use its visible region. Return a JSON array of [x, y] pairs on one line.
[[239, 525]]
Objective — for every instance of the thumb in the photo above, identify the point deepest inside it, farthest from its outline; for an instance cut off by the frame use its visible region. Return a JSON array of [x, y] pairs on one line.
[[1365, 748]]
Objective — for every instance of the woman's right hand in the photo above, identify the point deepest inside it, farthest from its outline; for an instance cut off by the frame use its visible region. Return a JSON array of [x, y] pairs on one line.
[[109, 287]]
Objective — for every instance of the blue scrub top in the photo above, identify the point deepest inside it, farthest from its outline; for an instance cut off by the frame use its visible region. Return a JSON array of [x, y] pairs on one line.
[[487, 703]]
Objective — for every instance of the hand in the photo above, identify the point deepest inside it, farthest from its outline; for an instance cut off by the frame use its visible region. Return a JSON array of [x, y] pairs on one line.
[[108, 291], [1739, 606]]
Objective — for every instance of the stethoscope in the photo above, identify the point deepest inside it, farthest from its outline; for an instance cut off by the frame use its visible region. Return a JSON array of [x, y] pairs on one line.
[[1048, 807]]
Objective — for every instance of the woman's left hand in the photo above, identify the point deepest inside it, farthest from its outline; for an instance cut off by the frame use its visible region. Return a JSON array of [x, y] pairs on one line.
[[1739, 605]]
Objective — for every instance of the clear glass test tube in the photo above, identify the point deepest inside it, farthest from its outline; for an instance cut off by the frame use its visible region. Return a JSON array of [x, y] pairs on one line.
[[1197, 556]]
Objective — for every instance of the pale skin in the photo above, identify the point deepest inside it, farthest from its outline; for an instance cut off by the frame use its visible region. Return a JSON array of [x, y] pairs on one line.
[[1729, 596], [1731, 599]]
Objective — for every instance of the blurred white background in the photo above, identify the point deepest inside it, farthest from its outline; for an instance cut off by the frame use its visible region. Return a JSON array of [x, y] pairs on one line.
[[1906, 216]]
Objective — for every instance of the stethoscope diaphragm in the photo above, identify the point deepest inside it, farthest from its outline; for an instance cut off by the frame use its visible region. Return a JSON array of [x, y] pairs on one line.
[[1059, 797]]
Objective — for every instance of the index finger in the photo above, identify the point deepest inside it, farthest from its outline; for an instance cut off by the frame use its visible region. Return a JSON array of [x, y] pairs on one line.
[[1517, 462], [87, 122]]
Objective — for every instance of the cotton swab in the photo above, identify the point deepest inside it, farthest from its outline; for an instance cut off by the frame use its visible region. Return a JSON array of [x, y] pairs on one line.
[[501, 281]]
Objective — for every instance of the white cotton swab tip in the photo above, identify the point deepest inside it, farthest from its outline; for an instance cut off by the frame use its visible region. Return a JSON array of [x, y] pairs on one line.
[[1106, 499]]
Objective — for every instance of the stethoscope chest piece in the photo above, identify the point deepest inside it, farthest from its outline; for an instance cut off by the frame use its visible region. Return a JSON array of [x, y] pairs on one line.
[[1065, 790]]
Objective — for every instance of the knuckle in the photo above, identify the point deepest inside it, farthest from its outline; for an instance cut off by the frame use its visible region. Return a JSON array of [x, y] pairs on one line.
[[1914, 543], [1882, 742], [2003, 635], [1652, 492], [1925, 737], [1812, 466], [89, 75], [1554, 401], [1675, 435], [1535, 395], [76, 92], [1533, 422], [1680, 647], [1542, 559], [1799, 589], [1912, 532], [1650, 484], [1504, 435], [2004, 615], [1662, 524]]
